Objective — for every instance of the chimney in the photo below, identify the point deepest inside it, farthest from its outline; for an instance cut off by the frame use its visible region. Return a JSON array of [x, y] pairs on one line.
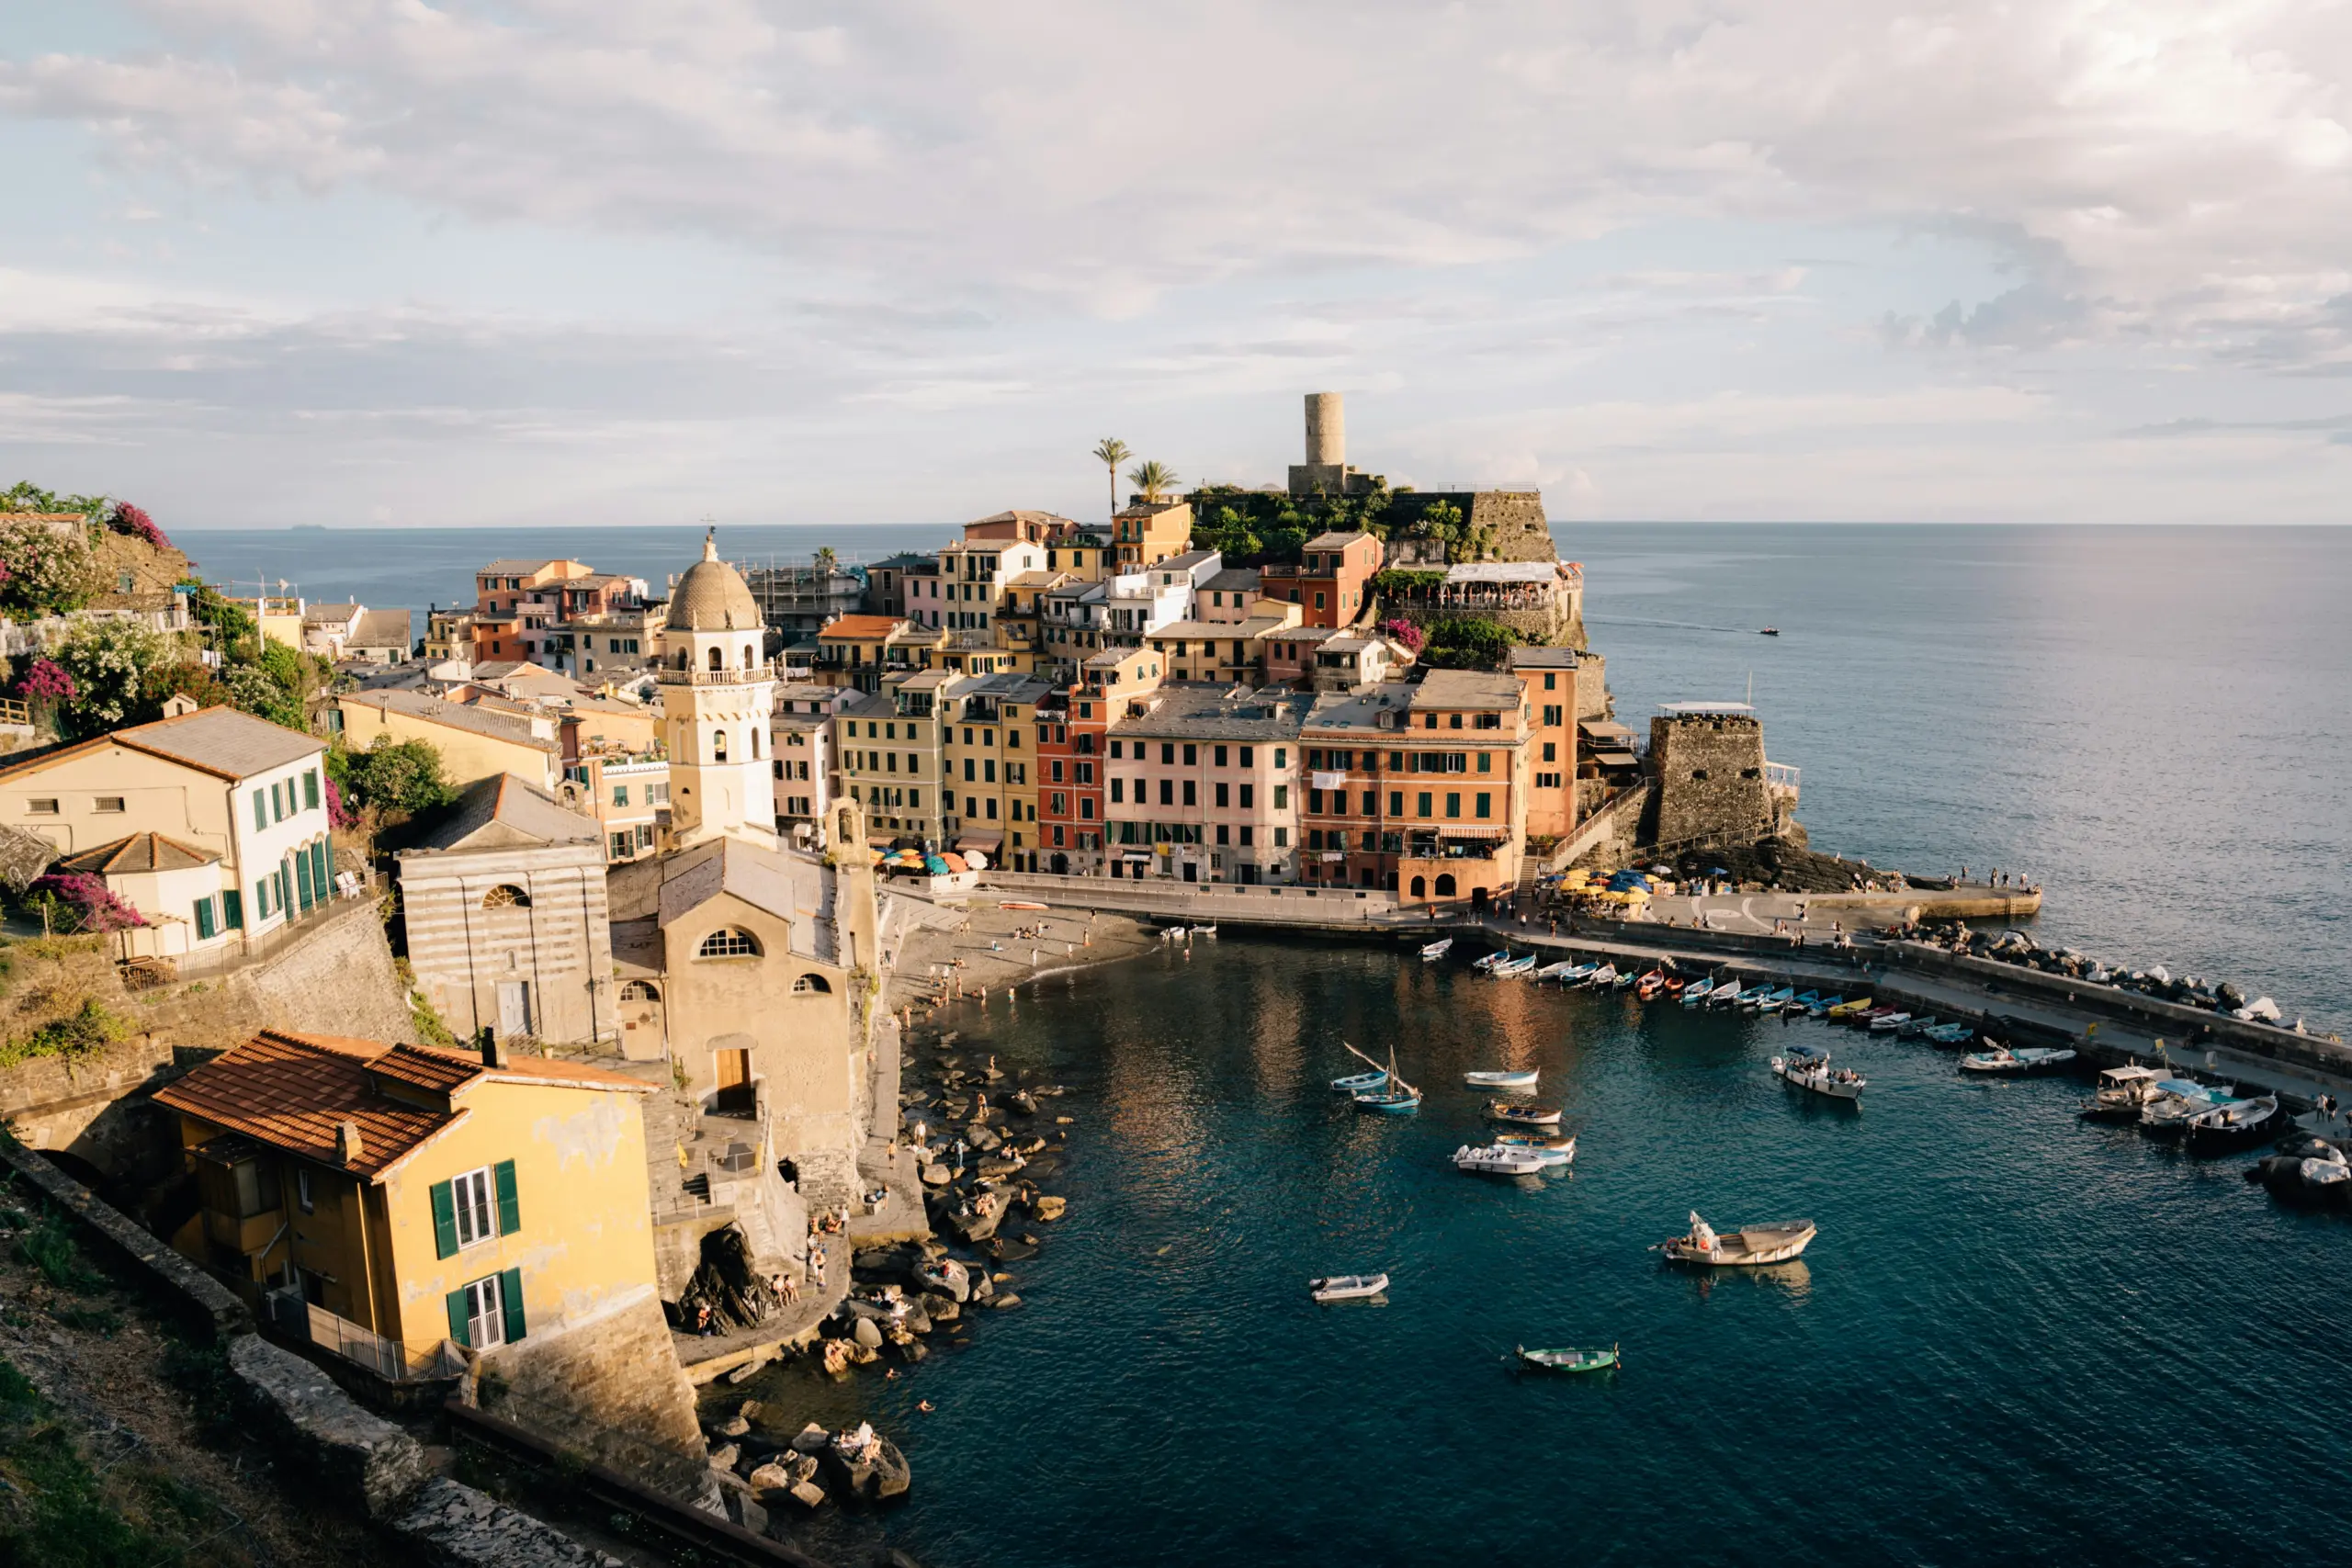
[[349, 1148], [492, 1054]]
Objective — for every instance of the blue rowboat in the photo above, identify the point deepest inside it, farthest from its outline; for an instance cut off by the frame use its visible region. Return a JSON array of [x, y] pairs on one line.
[[1821, 1008], [1390, 1102], [1360, 1082]]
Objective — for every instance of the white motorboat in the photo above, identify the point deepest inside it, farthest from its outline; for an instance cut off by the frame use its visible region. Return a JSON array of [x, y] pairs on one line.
[[1544, 1155], [1888, 1022], [1209, 930], [1810, 1069], [2019, 1060], [1524, 1081], [2123, 1093], [1346, 1287], [1748, 1245], [1497, 1160], [1437, 950]]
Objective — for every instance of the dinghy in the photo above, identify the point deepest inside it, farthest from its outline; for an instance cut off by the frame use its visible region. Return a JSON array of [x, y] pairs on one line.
[[1567, 1360], [1728, 994], [1697, 991], [1951, 1034], [1437, 950], [1777, 1000], [1622, 979], [2167, 1112], [1346, 1287], [1821, 1008], [1512, 968], [1496, 1161], [2021, 1060], [1522, 1115], [1748, 1246], [1650, 983], [1488, 960], [1397, 1097], [1517, 1081], [1559, 1151], [1888, 1022], [1809, 1069], [1847, 1010], [1360, 1082], [1601, 978], [2230, 1126], [1803, 1001], [1559, 971]]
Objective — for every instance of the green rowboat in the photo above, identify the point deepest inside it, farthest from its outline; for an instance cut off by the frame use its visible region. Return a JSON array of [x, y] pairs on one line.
[[1568, 1361]]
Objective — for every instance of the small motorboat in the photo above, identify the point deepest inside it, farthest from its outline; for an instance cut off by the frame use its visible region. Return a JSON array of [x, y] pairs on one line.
[[1522, 1115], [1437, 950], [1360, 1082], [1768, 631], [1488, 960], [1889, 1022], [1777, 1000], [1821, 1008], [1696, 992], [1512, 968], [1601, 978], [1209, 930], [1496, 1161], [1517, 1082], [2167, 1111], [1346, 1287], [1560, 1150], [2122, 1094], [1809, 1069], [2230, 1126], [2015, 1062], [1748, 1245], [1567, 1360]]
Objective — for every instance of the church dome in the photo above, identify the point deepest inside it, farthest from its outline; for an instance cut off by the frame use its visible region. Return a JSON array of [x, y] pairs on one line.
[[711, 596]]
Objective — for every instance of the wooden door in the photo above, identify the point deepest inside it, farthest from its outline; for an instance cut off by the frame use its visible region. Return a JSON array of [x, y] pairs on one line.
[[734, 1069], [514, 1008]]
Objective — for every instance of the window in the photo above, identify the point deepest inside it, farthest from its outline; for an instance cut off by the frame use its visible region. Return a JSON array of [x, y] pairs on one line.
[[506, 895], [1551, 683], [302, 1192], [1249, 797], [311, 790], [1551, 752], [1486, 761], [729, 942], [489, 1311], [473, 1205], [811, 985], [1282, 837], [1115, 744], [1191, 795], [1282, 760], [1118, 787], [47, 806], [261, 809], [1485, 808], [1396, 803], [1421, 803], [1220, 794], [1551, 714], [1248, 753], [1167, 792], [109, 803], [1452, 803], [206, 926], [1282, 794]]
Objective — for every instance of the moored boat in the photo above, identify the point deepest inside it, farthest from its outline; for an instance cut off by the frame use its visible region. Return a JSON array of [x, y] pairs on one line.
[[1809, 1069], [1774, 1001], [1728, 994], [2015, 1062], [1513, 1080], [1437, 950], [1558, 1150], [1951, 1034], [1559, 971], [1346, 1287], [1488, 960], [1747, 1246], [1697, 991], [1567, 1360], [1396, 1097], [1510, 968], [1820, 1008], [1522, 1115], [1650, 983], [2123, 1093], [1889, 1022], [1847, 1010], [1600, 979], [1358, 1083], [2167, 1111], [1497, 1160], [1803, 1001], [2235, 1124]]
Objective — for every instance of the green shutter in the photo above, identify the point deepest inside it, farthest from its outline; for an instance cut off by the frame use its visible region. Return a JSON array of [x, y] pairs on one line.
[[260, 810], [302, 878], [510, 1294], [232, 910], [444, 1220], [261, 900], [205, 929], [311, 790], [324, 872], [510, 1210], [458, 1319]]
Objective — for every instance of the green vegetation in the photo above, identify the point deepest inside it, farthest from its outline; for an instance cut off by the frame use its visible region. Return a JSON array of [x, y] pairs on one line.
[[1468, 643], [1154, 478], [50, 570], [89, 1028], [1259, 527], [121, 670], [1111, 453], [1389, 583], [430, 1030], [403, 777]]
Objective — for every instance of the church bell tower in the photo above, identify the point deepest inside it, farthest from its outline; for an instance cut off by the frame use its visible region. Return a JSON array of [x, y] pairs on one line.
[[718, 695]]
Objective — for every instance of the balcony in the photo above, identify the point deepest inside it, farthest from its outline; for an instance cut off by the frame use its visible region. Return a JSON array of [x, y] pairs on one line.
[[716, 677]]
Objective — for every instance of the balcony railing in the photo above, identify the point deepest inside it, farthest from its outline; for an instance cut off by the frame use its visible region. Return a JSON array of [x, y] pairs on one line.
[[391, 1361], [716, 677]]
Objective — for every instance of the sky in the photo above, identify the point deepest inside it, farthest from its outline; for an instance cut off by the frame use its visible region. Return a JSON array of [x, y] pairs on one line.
[[547, 262]]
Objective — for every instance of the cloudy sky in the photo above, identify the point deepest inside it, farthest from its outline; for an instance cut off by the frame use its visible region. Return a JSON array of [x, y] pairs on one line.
[[617, 261]]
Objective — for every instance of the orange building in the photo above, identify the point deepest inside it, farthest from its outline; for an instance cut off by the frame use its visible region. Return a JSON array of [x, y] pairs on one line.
[[1548, 683], [1329, 584]]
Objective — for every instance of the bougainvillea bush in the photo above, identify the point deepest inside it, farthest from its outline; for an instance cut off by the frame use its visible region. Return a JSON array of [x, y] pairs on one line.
[[46, 682], [80, 902], [47, 570], [134, 520], [1404, 632]]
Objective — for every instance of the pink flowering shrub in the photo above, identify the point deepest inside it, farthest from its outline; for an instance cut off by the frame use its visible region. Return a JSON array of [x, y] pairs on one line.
[[134, 520], [1404, 632], [46, 682], [89, 903], [340, 817]]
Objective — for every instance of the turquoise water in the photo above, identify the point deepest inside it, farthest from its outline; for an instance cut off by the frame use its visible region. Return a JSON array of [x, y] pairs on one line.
[[2017, 1336]]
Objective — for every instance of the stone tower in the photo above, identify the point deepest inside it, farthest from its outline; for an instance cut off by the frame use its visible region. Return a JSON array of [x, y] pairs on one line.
[[1325, 470], [857, 908], [717, 694]]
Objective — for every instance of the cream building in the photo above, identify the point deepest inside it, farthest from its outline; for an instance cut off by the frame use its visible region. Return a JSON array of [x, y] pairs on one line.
[[717, 694]]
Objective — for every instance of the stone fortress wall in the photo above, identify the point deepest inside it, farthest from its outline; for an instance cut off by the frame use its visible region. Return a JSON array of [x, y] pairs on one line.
[[1710, 772]]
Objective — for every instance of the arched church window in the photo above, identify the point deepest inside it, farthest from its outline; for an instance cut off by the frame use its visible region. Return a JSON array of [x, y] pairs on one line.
[[506, 895]]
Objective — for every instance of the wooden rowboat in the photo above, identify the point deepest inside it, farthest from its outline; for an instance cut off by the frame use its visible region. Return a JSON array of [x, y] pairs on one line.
[[1747, 1246], [1523, 1115], [1568, 1361]]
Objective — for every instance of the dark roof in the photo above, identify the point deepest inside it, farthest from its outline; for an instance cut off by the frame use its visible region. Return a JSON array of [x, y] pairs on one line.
[[515, 805], [1236, 579], [140, 851], [1467, 689], [1542, 658]]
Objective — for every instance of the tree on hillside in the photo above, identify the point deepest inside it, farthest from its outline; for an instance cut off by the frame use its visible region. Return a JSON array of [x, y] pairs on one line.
[[404, 777], [1110, 454], [27, 496], [1154, 478], [121, 670]]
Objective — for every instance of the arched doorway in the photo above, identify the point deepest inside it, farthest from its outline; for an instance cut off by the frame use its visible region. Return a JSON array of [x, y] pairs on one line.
[[1445, 885], [1420, 888], [1061, 865]]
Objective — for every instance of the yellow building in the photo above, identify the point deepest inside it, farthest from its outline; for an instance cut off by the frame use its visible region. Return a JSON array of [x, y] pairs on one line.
[[1084, 555], [1148, 532], [990, 794], [422, 1195], [475, 742]]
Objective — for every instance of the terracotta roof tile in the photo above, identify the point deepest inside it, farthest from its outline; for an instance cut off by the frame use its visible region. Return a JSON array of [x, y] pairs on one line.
[[140, 853], [291, 1092]]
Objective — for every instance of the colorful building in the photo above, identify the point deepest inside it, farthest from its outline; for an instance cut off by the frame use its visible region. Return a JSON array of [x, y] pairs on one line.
[[1547, 680], [1330, 581], [1202, 782]]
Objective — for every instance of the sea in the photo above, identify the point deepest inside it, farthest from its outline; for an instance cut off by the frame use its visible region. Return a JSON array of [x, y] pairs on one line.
[[2018, 1337]]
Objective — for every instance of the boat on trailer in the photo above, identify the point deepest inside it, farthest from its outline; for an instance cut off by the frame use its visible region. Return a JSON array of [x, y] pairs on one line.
[[1437, 950], [1746, 1247], [1346, 1287], [1568, 1361], [1809, 1069]]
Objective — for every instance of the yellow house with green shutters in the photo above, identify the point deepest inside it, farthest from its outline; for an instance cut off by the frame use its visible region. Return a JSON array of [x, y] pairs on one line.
[[418, 1195]]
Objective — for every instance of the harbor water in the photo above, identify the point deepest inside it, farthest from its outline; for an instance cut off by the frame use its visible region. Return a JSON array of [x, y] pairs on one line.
[[2017, 1336]]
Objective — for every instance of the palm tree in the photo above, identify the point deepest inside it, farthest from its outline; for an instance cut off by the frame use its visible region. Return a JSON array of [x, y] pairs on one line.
[[1154, 478], [1110, 454], [826, 562]]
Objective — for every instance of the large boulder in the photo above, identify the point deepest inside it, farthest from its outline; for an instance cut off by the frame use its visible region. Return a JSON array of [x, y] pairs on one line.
[[866, 1333]]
